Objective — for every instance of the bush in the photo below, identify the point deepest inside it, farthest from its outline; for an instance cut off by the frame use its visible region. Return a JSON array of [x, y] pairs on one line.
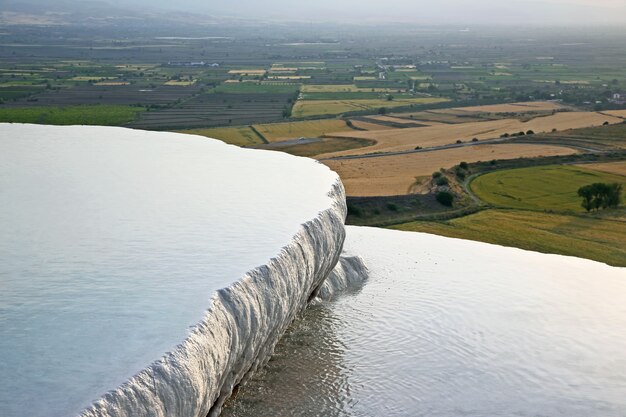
[[464, 165], [441, 181], [392, 207], [354, 210], [475, 140], [461, 173], [504, 135], [459, 141], [605, 124], [530, 132], [445, 198], [437, 174]]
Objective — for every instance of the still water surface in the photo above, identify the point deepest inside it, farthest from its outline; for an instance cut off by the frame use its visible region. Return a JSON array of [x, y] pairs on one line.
[[446, 327], [113, 242]]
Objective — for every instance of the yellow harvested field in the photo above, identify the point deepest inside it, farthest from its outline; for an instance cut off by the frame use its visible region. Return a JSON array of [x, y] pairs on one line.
[[401, 120], [304, 108], [277, 132], [616, 113], [180, 83], [248, 72], [330, 88], [112, 83], [395, 140], [618, 168], [439, 118], [343, 88], [396, 174], [531, 106], [289, 77]]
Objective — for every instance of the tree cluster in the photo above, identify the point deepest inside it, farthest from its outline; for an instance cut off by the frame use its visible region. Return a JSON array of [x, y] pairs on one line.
[[600, 196]]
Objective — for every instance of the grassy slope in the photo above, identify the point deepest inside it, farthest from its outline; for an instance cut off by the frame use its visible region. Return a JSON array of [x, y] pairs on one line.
[[104, 115], [584, 237], [523, 198]]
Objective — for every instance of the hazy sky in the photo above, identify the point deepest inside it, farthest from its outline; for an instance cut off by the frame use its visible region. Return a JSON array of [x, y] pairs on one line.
[[438, 12], [435, 11]]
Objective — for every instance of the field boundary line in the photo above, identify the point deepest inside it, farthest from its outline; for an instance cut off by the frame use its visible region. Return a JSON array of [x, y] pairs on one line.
[[259, 134]]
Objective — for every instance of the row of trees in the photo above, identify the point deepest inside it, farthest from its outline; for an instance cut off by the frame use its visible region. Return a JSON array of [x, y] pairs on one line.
[[600, 196]]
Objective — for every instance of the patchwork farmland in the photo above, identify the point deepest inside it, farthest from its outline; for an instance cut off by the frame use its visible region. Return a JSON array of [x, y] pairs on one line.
[[217, 109]]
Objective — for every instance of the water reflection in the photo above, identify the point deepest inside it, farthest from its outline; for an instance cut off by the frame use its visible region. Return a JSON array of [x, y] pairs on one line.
[[453, 328], [306, 376]]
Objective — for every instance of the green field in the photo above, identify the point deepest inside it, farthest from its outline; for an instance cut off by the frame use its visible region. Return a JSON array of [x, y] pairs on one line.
[[539, 188], [538, 209], [585, 237], [104, 115], [240, 136], [257, 88]]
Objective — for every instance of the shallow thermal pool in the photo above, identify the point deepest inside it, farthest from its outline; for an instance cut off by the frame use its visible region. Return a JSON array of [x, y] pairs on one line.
[[113, 242], [447, 327]]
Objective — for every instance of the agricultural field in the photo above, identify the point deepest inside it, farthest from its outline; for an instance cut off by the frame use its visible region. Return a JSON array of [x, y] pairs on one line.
[[277, 132], [434, 117], [343, 88], [313, 147], [242, 136], [256, 88], [399, 120], [617, 168], [397, 174], [604, 137], [360, 124], [585, 237], [307, 108], [539, 188], [208, 110], [616, 113], [107, 95], [104, 115], [536, 106], [397, 140]]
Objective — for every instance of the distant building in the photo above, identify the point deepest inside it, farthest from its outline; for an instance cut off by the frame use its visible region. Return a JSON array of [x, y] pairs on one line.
[[190, 64], [618, 98]]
